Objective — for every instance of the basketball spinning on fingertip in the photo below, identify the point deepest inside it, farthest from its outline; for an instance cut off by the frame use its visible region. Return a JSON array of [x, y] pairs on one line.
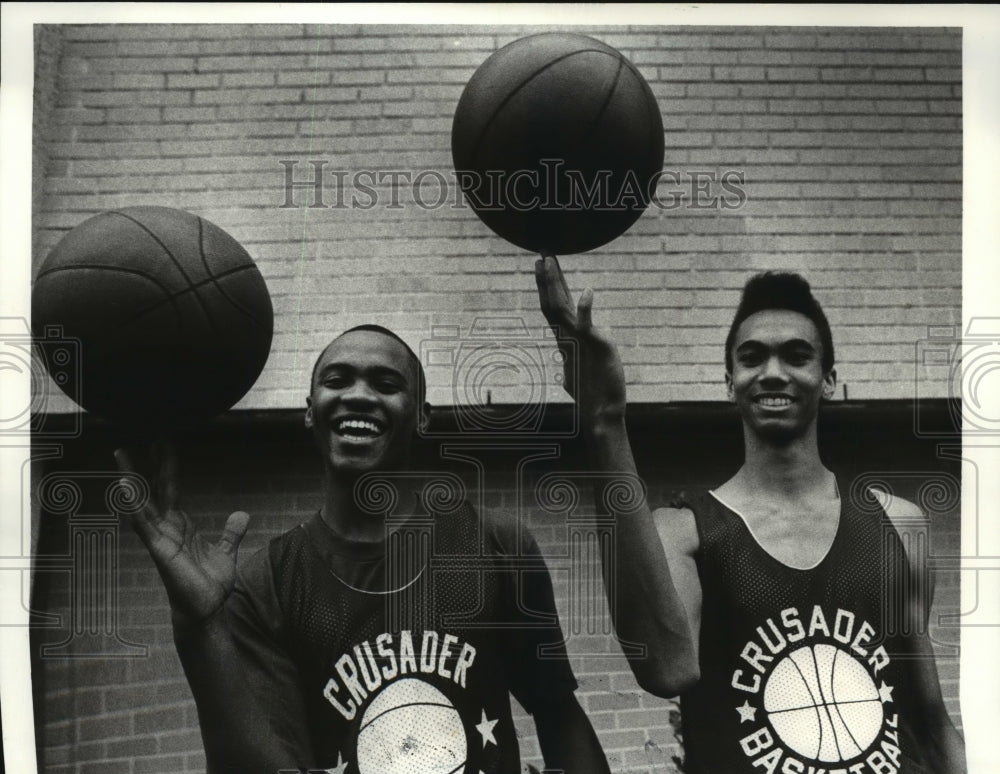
[[557, 143]]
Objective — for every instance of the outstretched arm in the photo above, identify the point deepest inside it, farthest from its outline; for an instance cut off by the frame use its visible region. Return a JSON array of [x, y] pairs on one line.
[[646, 608], [210, 622], [236, 728]]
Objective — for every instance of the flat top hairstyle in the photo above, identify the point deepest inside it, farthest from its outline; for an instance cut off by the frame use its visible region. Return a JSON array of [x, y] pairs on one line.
[[421, 378], [781, 290]]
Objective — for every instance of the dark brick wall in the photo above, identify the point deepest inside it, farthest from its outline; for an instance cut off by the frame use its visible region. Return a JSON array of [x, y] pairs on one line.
[[135, 715]]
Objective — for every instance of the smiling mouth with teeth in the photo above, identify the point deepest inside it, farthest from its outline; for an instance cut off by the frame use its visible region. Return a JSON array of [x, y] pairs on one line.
[[358, 428], [774, 402]]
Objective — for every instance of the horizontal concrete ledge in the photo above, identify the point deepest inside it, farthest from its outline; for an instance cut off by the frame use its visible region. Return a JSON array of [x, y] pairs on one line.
[[932, 419]]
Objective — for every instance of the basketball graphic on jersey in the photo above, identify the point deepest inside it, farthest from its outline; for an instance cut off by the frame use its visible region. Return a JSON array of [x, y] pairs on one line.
[[823, 704], [411, 728]]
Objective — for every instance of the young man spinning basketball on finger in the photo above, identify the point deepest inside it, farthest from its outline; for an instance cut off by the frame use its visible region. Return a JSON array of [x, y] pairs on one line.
[[792, 663], [346, 646]]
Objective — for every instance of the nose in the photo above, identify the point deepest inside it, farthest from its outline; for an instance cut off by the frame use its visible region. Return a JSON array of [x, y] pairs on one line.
[[773, 371], [358, 392]]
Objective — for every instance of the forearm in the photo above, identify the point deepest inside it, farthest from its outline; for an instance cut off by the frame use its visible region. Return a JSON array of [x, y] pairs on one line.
[[645, 607], [945, 749], [237, 735], [567, 739], [943, 746]]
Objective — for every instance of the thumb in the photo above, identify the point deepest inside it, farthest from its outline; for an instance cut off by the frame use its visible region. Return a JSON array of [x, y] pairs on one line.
[[584, 308], [233, 532]]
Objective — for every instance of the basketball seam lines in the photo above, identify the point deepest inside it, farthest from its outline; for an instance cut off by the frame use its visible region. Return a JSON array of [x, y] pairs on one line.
[[826, 704], [168, 297], [810, 706], [516, 89], [836, 704], [607, 99], [212, 277], [653, 108], [173, 258], [194, 287], [819, 719], [408, 704], [202, 254], [103, 267], [822, 696]]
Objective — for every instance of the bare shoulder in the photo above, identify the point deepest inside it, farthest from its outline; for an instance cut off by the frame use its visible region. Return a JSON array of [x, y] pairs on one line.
[[903, 513], [677, 530], [909, 521]]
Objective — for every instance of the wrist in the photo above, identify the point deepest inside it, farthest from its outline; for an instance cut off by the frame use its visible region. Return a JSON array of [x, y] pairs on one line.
[[600, 421], [185, 623]]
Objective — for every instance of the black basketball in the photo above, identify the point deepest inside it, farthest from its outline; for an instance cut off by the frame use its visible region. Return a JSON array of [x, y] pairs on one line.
[[171, 317], [557, 143]]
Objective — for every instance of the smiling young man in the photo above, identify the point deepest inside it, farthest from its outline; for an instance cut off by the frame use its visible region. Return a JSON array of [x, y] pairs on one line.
[[792, 660], [358, 646]]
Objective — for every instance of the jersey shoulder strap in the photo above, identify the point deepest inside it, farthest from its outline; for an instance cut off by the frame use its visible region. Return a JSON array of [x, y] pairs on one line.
[[713, 521]]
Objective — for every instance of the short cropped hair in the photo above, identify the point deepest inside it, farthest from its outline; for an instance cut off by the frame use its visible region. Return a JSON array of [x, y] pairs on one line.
[[421, 378], [781, 290]]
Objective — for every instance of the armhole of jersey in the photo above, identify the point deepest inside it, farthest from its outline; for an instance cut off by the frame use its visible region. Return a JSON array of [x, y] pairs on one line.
[[882, 498], [743, 519], [694, 502]]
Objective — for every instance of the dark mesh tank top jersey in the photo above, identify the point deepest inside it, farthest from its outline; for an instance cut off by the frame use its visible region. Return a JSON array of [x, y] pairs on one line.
[[803, 671], [407, 649]]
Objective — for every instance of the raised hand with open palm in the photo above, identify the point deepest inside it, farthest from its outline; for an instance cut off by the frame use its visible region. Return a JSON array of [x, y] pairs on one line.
[[649, 612], [594, 375], [198, 574]]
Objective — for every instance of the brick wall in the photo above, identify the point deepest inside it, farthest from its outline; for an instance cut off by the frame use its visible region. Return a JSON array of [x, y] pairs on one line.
[[135, 715], [849, 146], [48, 50], [848, 141]]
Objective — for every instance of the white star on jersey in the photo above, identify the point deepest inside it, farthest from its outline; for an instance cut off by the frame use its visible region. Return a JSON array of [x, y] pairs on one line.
[[485, 729], [885, 692], [747, 712], [341, 766]]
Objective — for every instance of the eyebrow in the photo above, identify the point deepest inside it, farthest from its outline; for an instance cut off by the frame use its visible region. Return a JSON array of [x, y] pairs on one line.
[[376, 370], [788, 344]]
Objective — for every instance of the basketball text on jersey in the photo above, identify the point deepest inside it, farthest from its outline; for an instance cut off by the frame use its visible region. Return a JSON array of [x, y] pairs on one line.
[[368, 666], [809, 690]]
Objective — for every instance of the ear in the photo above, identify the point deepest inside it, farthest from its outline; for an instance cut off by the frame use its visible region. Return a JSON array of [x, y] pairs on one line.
[[424, 418], [730, 394], [830, 384], [309, 413]]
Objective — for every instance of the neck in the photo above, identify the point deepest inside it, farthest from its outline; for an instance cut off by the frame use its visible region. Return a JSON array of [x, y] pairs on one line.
[[341, 512], [786, 470]]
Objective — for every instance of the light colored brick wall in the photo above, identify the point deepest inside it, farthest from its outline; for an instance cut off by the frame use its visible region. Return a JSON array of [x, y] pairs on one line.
[[48, 50], [848, 141]]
